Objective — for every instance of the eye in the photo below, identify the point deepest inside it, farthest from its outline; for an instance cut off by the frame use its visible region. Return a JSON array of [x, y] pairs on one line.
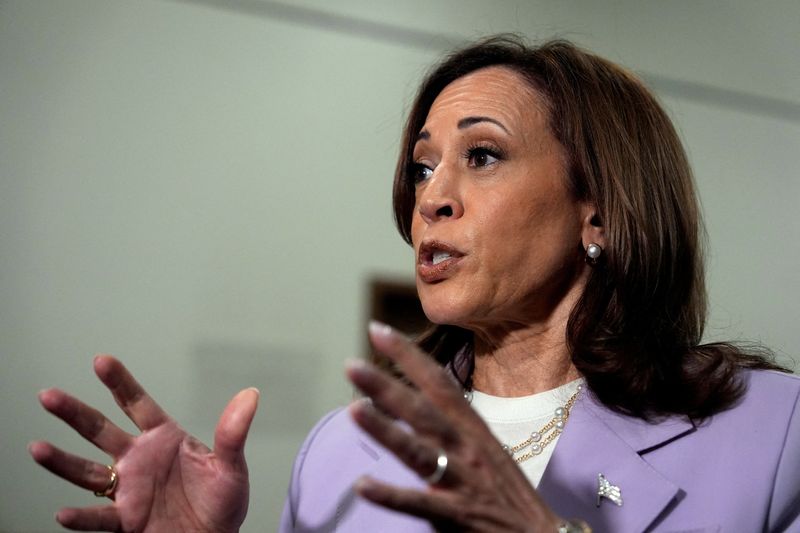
[[482, 156], [419, 172]]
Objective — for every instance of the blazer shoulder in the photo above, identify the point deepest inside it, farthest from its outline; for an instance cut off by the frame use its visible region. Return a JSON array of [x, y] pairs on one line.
[[761, 381], [771, 396], [322, 428], [335, 454], [333, 442], [321, 457], [782, 391], [290, 506]]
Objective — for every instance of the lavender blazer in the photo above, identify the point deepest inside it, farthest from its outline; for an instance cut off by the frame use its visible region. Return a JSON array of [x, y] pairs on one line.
[[738, 471]]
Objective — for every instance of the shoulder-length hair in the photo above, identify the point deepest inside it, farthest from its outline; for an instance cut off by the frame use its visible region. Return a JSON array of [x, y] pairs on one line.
[[635, 332]]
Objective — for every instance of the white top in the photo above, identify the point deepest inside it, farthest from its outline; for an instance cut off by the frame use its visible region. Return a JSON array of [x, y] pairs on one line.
[[512, 420]]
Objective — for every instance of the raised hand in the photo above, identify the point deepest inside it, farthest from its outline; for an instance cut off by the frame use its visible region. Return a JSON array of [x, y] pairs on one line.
[[478, 487], [167, 480]]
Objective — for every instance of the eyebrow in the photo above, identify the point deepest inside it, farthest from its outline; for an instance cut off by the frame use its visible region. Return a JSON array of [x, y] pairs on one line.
[[464, 123]]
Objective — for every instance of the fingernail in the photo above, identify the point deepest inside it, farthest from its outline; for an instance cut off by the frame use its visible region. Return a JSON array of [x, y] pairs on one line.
[[379, 329], [258, 392], [356, 369], [351, 363], [365, 402], [364, 486], [44, 399], [357, 408]]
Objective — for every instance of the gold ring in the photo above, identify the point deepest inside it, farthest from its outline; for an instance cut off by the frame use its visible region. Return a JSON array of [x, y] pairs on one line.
[[112, 484]]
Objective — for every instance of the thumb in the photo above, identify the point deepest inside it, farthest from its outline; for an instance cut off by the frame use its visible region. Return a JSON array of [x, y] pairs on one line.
[[233, 425]]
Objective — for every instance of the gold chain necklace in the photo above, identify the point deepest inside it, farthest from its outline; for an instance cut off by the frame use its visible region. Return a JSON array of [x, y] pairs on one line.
[[540, 438]]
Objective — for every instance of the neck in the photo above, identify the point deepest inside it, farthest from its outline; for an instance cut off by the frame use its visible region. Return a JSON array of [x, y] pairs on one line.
[[521, 356], [522, 362]]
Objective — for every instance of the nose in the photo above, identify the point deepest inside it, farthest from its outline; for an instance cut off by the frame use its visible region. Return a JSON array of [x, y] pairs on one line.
[[440, 198]]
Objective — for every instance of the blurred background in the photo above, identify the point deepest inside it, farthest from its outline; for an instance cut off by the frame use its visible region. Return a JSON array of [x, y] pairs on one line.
[[202, 188]]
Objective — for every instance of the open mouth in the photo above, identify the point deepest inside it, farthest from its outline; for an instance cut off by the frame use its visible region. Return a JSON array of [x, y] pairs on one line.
[[438, 257], [435, 253], [436, 261]]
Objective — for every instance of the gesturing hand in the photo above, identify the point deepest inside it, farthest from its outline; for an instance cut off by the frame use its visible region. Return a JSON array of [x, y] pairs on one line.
[[167, 479], [481, 489]]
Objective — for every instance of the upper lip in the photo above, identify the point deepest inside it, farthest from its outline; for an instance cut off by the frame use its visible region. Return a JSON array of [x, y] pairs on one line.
[[429, 247]]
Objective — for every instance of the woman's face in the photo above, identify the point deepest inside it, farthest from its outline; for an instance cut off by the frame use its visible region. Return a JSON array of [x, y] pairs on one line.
[[496, 233]]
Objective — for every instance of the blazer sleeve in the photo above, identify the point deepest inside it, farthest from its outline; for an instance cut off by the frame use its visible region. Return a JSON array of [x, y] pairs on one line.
[[290, 506], [784, 512]]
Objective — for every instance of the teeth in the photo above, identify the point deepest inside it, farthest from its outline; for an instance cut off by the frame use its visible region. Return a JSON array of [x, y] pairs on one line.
[[438, 257]]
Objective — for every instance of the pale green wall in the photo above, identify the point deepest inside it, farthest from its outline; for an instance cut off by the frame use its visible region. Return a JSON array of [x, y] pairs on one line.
[[202, 188]]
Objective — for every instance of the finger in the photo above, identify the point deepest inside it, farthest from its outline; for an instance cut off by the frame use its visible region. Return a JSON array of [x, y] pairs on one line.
[[421, 369], [90, 423], [469, 437], [418, 455], [233, 426], [439, 507], [77, 470], [401, 401], [130, 396], [101, 518], [451, 511]]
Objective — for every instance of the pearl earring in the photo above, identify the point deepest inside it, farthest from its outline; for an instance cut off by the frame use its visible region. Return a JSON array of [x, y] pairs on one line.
[[593, 252]]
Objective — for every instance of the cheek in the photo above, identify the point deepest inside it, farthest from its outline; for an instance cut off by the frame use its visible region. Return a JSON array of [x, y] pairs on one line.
[[417, 228], [508, 221], [528, 232]]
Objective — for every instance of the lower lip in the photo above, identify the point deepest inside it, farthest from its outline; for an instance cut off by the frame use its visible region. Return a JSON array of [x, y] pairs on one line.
[[438, 272]]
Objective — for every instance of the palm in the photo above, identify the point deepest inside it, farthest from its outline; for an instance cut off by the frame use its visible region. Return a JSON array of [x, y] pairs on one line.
[[168, 481]]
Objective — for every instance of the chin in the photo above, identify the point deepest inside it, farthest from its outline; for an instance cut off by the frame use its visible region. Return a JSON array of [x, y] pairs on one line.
[[443, 309]]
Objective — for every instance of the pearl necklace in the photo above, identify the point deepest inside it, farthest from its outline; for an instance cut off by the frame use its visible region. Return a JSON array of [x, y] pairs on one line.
[[543, 436]]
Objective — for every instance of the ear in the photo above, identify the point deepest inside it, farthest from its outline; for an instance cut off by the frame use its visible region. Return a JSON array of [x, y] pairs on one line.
[[592, 228]]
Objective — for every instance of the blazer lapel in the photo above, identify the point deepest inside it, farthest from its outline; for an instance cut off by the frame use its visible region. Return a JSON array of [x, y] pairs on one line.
[[599, 441]]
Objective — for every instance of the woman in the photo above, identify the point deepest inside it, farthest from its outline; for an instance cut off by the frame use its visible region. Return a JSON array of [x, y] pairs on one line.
[[555, 230]]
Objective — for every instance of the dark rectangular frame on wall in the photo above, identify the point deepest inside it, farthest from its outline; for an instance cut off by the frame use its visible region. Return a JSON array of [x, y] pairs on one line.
[[395, 302]]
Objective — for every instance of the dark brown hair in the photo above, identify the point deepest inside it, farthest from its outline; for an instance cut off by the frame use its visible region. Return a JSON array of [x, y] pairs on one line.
[[635, 332]]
